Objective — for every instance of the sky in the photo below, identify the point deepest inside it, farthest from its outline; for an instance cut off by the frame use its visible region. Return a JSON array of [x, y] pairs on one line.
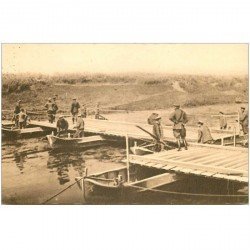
[[221, 59]]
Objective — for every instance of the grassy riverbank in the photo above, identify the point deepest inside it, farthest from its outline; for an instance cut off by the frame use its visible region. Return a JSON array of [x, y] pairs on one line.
[[127, 91]]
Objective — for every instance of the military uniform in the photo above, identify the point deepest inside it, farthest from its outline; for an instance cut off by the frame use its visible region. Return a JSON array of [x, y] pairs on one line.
[[179, 118], [158, 133], [74, 110], [223, 122], [55, 108], [62, 126], [79, 128], [244, 120], [49, 107], [17, 110], [22, 118], [204, 135]]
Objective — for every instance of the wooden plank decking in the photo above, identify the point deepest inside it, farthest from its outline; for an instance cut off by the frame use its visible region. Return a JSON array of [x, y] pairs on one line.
[[215, 162], [120, 129]]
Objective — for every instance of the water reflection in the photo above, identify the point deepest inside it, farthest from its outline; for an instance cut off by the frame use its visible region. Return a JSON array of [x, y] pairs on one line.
[[19, 160], [63, 161]]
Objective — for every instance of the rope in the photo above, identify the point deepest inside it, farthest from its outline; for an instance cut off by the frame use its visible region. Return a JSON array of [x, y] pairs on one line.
[[61, 191], [188, 194]]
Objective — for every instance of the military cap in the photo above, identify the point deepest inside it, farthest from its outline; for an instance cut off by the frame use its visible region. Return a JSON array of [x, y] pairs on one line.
[[176, 105], [61, 116], [200, 122]]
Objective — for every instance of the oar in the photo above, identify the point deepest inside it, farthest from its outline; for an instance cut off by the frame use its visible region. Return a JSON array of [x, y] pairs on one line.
[[153, 136]]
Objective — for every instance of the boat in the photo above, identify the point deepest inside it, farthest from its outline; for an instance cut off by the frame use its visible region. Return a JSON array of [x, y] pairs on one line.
[[56, 142], [150, 187], [16, 133]]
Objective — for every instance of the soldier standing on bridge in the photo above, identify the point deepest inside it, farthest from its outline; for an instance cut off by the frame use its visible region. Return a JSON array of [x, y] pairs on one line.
[[179, 118], [74, 110], [84, 111], [244, 120], [204, 134], [223, 121], [50, 112], [158, 133], [16, 113], [55, 108]]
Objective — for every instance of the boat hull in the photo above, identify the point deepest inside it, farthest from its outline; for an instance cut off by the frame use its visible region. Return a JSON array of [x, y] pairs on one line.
[[69, 143]]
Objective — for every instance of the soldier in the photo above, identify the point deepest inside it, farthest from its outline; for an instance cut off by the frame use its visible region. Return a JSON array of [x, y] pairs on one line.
[[179, 118], [223, 121], [22, 118], [244, 120], [49, 107], [158, 133], [97, 111], [204, 134], [55, 107], [16, 113], [84, 111], [74, 110], [79, 127], [62, 126]]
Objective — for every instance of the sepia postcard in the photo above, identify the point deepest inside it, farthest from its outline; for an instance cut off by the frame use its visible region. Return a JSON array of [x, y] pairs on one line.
[[125, 124]]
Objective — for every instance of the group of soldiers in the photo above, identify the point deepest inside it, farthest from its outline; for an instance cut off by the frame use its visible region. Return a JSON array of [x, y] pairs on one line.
[[178, 117], [20, 116], [179, 120]]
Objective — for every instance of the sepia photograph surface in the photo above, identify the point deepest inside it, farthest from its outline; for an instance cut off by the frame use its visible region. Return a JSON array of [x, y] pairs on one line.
[[124, 124]]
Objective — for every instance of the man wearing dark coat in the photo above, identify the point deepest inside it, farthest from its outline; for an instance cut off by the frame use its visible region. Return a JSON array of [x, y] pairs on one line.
[[158, 133], [179, 118], [74, 110], [62, 126], [17, 110], [244, 120]]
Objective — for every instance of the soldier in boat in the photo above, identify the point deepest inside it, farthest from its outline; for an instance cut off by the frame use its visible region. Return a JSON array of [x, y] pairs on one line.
[[179, 118], [204, 134], [79, 127], [223, 121], [49, 106], [55, 107], [244, 120], [74, 110], [158, 133], [62, 126], [17, 110]]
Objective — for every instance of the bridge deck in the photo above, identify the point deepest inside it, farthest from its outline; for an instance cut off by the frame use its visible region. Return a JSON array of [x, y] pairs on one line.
[[119, 128], [216, 162]]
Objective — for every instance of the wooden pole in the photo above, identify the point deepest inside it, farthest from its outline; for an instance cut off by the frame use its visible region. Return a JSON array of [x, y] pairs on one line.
[[239, 122], [234, 136], [127, 154]]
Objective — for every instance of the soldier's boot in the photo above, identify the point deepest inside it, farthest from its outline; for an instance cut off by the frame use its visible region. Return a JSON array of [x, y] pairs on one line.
[[185, 143], [73, 120]]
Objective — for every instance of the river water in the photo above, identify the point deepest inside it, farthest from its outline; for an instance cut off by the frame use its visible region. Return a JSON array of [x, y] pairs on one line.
[[32, 174]]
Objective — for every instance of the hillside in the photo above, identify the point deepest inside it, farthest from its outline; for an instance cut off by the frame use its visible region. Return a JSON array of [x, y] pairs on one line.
[[130, 92]]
